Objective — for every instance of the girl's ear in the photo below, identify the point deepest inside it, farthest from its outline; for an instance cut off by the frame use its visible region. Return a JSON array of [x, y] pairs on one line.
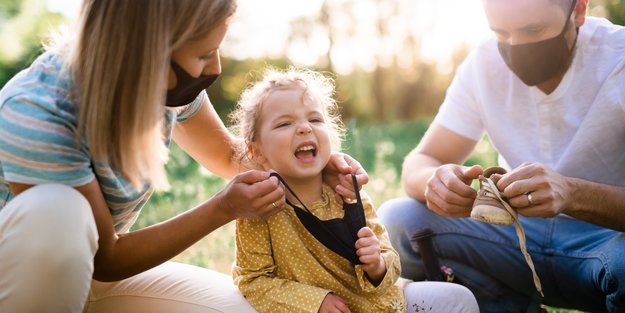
[[256, 153]]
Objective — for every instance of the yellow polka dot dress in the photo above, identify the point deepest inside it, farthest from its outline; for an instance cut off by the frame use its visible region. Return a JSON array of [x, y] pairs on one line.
[[281, 267]]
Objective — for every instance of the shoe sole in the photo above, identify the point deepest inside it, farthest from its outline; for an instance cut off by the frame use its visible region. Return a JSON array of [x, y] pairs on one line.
[[491, 215]]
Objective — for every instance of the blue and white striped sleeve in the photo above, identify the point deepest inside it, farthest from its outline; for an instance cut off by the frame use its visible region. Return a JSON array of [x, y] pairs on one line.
[[189, 110], [38, 145]]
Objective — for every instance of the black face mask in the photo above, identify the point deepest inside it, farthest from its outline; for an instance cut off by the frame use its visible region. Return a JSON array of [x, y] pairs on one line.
[[537, 62], [339, 234], [187, 87]]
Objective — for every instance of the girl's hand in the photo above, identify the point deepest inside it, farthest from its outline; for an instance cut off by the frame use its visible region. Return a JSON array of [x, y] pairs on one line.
[[368, 251], [337, 174], [251, 194], [333, 304]]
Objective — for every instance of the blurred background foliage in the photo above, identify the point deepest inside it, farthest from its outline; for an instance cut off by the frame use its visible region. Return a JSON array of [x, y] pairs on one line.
[[386, 104]]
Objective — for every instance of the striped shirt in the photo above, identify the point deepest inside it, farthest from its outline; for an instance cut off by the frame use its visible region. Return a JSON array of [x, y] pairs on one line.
[[38, 124]]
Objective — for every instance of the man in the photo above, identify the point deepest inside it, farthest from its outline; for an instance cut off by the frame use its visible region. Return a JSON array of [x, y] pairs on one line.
[[550, 93]]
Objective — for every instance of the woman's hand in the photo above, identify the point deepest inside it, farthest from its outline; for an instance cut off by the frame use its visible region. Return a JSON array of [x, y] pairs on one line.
[[333, 304], [337, 174], [251, 194], [368, 251]]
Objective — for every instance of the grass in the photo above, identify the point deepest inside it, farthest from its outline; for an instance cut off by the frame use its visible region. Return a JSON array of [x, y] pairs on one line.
[[379, 148]]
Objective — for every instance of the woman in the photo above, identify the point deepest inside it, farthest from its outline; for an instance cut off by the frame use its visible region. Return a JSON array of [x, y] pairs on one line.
[[81, 150]]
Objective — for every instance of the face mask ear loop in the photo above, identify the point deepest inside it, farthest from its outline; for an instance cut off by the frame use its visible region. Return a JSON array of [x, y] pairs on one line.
[[566, 25], [317, 221], [276, 175], [358, 218]]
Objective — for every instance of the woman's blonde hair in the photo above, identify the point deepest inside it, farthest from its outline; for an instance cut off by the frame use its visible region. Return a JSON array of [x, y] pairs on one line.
[[120, 61], [317, 88]]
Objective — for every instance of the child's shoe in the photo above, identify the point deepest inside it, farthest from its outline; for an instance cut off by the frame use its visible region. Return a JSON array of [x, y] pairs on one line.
[[488, 208]]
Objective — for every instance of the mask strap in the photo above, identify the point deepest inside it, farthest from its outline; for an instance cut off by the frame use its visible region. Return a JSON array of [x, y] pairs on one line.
[[276, 175], [566, 25], [568, 16], [354, 182], [316, 220]]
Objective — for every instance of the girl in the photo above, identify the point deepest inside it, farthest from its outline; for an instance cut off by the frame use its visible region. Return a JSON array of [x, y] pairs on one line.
[[83, 136], [289, 125]]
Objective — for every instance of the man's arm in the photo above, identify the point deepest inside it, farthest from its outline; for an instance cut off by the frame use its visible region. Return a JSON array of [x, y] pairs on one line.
[[553, 193], [432, 172], [599, 204]]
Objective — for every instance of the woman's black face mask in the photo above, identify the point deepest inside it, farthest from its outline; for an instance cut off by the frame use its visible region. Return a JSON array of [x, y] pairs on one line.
[[537, 62], [187, 87]]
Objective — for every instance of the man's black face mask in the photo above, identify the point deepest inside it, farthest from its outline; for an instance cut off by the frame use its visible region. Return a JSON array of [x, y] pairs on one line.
[[537, 62], [187, 87]]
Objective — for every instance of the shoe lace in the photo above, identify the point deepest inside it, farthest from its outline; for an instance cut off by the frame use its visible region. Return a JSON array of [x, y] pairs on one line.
[[492, 191], [488, 189]]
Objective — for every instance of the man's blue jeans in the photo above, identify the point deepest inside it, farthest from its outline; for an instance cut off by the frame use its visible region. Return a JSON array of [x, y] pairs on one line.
[[580, 265]]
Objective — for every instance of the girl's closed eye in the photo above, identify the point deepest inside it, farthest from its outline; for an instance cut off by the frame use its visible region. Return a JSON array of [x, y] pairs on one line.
[[283, 124], [316, 117]]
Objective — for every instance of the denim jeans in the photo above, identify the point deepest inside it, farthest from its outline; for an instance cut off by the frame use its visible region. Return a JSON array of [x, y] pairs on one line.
[[580, 265]]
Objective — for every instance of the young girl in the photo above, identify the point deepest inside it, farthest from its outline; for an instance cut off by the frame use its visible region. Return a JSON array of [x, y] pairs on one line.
[[289, 125]]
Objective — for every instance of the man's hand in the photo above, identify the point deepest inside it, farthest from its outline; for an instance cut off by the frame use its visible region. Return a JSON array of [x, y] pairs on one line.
[[549, 190], [251, 194], [333, 304], [449, 191], [337, 174]]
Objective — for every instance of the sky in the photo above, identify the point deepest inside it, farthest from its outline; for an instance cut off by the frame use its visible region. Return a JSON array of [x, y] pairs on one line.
[[262, 27]]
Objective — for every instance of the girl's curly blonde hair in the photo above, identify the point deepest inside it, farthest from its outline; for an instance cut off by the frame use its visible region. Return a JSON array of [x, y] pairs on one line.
[[317, 88]]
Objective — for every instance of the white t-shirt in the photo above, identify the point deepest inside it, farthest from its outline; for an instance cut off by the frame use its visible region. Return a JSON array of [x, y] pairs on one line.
[[577, 130]]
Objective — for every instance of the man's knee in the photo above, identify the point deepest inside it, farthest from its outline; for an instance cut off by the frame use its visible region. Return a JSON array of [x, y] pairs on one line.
[[393, 212], [397, 214], [615, 281]]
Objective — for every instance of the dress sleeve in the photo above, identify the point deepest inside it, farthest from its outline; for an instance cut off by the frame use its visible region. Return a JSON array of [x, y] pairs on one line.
[[391, 257], [255, 274], [38, 145]]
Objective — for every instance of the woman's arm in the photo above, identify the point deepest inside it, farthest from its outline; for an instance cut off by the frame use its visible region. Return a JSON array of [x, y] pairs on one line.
[[123, 255], [207, 140]]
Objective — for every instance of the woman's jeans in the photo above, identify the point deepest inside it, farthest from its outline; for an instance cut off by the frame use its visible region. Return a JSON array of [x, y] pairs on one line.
[[580, 265], [48, 239]]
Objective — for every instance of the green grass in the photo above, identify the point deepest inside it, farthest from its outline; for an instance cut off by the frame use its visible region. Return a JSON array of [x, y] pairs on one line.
[[379, 148]]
